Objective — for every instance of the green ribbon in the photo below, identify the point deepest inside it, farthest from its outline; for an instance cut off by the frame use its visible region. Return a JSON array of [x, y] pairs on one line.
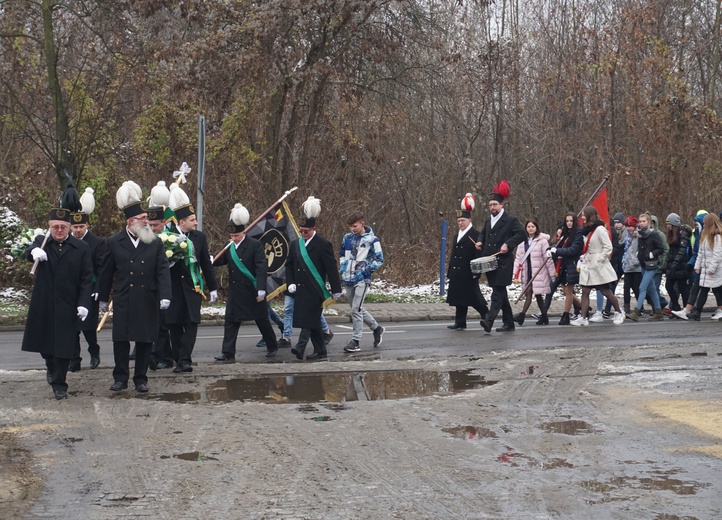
[[195, 271], [242, 268], [312, 268]]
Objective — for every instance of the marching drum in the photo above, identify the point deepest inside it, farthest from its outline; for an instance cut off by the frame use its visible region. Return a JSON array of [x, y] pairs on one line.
[[484, 264]]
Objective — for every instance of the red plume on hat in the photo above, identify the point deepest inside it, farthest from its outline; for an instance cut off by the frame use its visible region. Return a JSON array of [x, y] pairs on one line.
[[467, 203], [501, 192]]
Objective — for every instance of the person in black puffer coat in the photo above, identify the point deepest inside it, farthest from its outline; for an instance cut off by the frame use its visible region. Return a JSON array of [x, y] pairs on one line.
[[677, 269], [565, 261]]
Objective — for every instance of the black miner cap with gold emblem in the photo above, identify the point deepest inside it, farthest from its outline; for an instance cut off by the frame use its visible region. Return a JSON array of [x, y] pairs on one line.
[[69, 203], [128, 198], [180, 203], [156, 213], [311, 210], [239, 219], [87, 206], [467, 206]]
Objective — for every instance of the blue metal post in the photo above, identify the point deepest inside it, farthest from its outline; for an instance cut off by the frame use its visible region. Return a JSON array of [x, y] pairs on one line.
[[442, 266]]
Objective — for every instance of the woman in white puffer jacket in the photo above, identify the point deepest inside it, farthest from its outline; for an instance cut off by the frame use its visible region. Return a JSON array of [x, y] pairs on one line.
[[709, 262]]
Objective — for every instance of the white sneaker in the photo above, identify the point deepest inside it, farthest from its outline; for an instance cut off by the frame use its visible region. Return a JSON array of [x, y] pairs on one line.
[[717, 314], [618, 318], [681, 314], [597, 318], [580, 322]]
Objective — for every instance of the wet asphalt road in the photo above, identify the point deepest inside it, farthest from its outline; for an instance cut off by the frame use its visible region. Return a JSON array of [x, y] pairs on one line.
[[414, 338]]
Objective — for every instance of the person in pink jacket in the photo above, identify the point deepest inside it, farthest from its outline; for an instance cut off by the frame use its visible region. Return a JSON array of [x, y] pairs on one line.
[[531, 258]]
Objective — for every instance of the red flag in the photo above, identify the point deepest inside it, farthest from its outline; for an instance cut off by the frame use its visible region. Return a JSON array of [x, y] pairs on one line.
[[602, 206]]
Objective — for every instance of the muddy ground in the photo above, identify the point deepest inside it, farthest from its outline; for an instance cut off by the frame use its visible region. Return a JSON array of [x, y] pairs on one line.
[[566, 433]]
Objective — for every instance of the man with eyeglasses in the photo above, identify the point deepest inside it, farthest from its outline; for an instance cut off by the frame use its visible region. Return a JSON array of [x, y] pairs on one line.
[[136, 270], [500, 235], [61, 295]]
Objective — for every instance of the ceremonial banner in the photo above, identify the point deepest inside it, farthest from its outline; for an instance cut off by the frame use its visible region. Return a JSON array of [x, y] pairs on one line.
[[276, 231]]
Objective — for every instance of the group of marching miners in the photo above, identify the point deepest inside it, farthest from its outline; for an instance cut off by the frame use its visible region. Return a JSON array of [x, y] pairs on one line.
[[154, 273]]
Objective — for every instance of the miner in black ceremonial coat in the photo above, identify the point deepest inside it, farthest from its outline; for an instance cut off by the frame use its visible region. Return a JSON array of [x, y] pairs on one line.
[[136, 276], [61, 295], [79, 229], [187, 280], [501, 234], [311, 263], [247, 282], [464, 289]]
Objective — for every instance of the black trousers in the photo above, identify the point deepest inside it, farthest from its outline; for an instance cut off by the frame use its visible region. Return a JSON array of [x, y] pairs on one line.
[[161, 350], [92, 338], [182, 340], [230, 334], [121, 353], [58, 368], [500, 302], [316, 337], [463, 310]]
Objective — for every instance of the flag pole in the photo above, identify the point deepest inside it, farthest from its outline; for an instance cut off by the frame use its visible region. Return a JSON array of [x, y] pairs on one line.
[[260, 217], [589, 201]]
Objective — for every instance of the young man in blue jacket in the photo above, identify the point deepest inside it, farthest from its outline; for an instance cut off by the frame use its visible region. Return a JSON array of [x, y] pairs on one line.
[[361, 256]]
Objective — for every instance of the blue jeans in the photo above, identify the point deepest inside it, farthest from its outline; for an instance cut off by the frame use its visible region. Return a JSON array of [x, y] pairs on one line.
[[288, 302], [647, 286]]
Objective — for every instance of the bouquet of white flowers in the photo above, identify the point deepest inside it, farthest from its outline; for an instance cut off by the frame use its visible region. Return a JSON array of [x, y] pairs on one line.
[[176, 247], [21, 244]]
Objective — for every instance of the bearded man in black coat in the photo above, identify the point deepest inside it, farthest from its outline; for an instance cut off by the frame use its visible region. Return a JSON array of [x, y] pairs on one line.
[[61, 295], [501, 234], [136, 270]]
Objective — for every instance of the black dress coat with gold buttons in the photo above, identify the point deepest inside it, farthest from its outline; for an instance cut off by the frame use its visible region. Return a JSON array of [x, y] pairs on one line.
[[62, 284], [242, 302], [463, 284], [138, 278]]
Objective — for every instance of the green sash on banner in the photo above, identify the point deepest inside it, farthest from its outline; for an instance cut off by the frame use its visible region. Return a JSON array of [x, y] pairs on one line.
[[328, 300], [242, 268]]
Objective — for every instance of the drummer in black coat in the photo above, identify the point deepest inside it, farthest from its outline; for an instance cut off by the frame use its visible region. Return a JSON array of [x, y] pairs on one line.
[[79, 228], [247, 279], [501, 234], [464, 289], [136, 270], [184, 313], [311, 262], [61, 295]]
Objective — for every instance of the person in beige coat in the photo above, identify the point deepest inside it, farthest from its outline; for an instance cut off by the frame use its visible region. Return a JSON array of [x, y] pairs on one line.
[[709, 261], [595, 268]]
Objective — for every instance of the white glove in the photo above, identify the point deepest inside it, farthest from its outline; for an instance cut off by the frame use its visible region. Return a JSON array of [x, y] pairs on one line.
[[39, 254], [553, 250], [292, 288], [214, 297], [337, 295], [261, 296], [82, 313], [94, 296], [651, 256], [164, 304], [211, 258], [549, 253], [103, 306]]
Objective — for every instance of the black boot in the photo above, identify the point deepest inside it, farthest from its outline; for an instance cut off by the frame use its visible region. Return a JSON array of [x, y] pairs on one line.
[[519, 318], [565, 319], [543, 319]]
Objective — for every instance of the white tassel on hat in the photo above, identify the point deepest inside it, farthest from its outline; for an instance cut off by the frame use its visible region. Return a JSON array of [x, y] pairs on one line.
[[159, 195], [240, 215], [87, 201], [128, 194], [312, 207], [177, 197]]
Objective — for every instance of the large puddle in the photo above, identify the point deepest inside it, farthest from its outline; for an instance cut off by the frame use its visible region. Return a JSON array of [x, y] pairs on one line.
[[331, 387]]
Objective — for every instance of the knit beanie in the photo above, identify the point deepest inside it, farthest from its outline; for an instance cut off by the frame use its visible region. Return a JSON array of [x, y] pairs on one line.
[[674, 219], [618, 217]]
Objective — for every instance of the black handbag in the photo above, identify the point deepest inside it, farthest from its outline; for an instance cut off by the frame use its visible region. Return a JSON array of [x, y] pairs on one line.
[[651, 265]]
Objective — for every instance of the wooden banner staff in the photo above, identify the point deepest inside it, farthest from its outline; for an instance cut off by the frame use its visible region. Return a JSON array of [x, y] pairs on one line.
[[589, 201], [105, 317], [260, 217], [45, 241]]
